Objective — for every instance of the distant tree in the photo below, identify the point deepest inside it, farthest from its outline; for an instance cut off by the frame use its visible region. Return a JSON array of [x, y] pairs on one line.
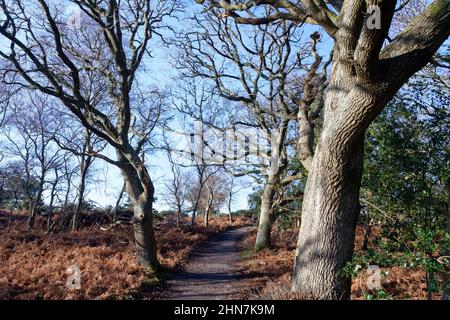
[[234, 187], [254, 67], [30, 138], [83, 144], [198, 192], [176, 194], [215, 194], [105, 48], [5, 98], [69, 170], [14, 186]]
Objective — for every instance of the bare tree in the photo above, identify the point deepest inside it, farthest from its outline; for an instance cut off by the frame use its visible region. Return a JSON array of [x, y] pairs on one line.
[[196, 193], [177, 191], [82, 144], [69, 172], [366, 73], [107, 48], [85, 164], [254, 66], [5, 98], [31, 140], [54, 183], [215, 194], [234, 188]]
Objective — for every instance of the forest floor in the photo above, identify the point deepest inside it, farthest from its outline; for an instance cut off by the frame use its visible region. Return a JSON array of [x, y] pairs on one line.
[[214, 262], [211, 273], [33, 264], [268, 274]]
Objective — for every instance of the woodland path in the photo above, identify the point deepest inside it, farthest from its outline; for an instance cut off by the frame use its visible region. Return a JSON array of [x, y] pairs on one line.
[[211, 273]]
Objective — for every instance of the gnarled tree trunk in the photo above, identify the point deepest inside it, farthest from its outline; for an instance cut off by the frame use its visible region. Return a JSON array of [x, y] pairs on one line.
[[141, 191], [364, 77], [329, 216], [143, 231], [266, 217]]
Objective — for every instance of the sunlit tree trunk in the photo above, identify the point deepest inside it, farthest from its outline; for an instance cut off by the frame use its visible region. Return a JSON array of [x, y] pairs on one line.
[[329, 216], [266, 217], [140, 189]]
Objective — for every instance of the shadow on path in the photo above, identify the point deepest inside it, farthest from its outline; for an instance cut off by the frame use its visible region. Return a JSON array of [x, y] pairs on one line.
[[211, 273]]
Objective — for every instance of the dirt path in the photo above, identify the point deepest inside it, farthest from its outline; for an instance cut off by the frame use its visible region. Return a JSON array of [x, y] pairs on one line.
[[210, 274]]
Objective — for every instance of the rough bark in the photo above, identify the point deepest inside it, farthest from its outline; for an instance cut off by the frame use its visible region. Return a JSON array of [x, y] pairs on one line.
[[140, 188], [329, 216], [143, 232], [266, 217]]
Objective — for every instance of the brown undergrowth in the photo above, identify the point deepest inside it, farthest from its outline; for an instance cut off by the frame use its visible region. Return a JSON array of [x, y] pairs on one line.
[[269, 273], [33, 265]]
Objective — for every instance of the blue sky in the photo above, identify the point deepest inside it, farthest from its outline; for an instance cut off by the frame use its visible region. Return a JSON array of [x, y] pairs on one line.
[[161, 72], [107, 181]]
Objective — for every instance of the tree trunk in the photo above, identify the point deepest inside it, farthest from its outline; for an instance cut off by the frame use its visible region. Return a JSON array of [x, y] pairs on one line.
[[144, 237], [50, 207], [141, 191], [84, 169], [446, 289], [117, 207], [65, 209], [194, 213], [448, 206], [35, 205], [265, 217], [178, 217], [206, 222], [230, 214], [329, 216], [367, 231], [208, 208]]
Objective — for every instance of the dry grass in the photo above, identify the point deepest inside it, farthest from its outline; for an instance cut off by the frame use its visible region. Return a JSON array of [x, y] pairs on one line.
[[269, 274], [33, 264]]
